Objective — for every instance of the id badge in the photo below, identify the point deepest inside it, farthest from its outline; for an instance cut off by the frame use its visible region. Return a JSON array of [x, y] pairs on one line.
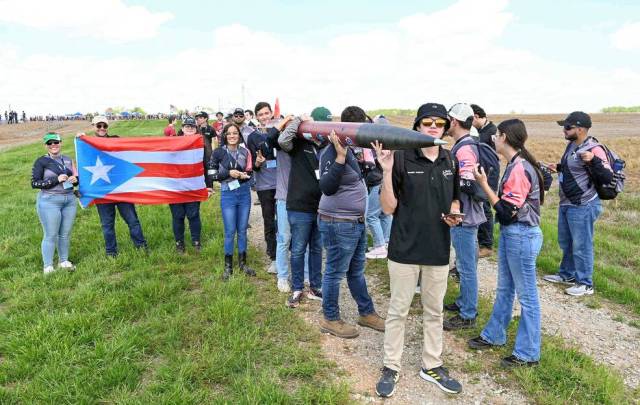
[[272, 164], [317, 174], [67, 185], [234, 185]]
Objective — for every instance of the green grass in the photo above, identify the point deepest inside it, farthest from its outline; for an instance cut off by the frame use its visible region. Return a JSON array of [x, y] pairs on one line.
[[616, 273], [564, 376], [154, 328]]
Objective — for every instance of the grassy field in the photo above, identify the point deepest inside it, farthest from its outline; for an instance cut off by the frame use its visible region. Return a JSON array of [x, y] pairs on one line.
[[154, 328]]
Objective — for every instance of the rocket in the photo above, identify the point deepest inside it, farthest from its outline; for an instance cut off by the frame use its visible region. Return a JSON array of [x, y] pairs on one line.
[[363, 134]]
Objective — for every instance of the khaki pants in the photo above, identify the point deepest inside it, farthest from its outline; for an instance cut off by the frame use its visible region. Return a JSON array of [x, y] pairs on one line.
[[403, 280]]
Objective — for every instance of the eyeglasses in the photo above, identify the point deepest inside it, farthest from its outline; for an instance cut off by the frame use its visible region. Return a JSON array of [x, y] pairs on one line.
[[49, 143], [569, 127], [188, 126], [427, 122], [102, 126]]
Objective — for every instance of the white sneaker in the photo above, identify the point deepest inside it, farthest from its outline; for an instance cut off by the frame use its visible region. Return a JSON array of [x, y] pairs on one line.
[[377, 253], [272, 268], [556, 278], [283, 285], [48, 270], [67, 265], [579, 290]]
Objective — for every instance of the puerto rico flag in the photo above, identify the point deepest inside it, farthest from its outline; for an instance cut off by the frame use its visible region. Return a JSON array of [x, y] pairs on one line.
[[149, 170]]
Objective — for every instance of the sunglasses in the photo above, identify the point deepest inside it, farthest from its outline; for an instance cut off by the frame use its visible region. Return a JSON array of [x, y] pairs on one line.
[[188, 126], [102, 126], [238, 115], [49, 143], [427, 122]]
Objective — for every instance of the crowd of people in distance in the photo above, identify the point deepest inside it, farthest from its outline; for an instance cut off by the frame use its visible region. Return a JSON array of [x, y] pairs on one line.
[[322, 199]]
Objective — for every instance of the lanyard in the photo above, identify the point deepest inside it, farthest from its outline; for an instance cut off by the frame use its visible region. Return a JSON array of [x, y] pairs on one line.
[[233, 158], [60, 164]]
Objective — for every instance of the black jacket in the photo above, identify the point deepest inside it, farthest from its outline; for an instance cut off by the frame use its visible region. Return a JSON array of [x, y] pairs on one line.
[[487, 132]]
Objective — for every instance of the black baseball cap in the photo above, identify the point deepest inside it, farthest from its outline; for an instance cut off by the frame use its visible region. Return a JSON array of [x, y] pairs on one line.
[[238, 110], [203, 114], [189, 121], [577, 118]]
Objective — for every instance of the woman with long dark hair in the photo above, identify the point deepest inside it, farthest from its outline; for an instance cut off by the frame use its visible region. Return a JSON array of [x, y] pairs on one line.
[[231, 165], [517, 206]]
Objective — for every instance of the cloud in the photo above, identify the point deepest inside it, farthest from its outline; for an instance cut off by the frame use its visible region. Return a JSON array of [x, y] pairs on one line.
[[627, 37], [109, 20], [449, 55]]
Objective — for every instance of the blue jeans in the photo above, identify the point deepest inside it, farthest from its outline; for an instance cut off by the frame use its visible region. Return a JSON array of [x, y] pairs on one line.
[[283, 242], [192, 211], [378, 222], [235, 206], [304, 232], [575, 237], [345, 243], [107, 213], [465, 239], [517, 252], [56, 213]]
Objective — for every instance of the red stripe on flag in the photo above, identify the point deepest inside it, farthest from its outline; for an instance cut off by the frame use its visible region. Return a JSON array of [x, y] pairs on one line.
[[154, 197], [146, 144], [171, 170]]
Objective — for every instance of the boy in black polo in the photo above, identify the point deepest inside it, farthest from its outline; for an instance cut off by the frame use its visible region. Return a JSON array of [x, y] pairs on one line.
[[420, 187]]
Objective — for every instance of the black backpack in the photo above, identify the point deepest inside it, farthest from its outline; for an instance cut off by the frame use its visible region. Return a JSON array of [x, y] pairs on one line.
[[610, 190]]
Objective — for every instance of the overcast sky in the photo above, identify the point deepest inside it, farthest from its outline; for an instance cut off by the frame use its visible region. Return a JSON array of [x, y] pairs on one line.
[[546, 56]]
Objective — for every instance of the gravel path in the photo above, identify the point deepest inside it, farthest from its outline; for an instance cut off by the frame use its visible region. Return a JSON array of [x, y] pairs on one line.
[[593, 330]]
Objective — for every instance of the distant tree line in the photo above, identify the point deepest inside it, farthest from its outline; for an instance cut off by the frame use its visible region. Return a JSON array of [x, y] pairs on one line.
[[621, 109], [391, 112]]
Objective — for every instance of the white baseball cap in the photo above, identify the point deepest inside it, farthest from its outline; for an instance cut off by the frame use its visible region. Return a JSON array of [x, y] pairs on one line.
[[99, 118], [461, 111]]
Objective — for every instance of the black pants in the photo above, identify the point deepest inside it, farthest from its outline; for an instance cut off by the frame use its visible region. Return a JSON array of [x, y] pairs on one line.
[[268, 204], [485, 230], [191, 210]]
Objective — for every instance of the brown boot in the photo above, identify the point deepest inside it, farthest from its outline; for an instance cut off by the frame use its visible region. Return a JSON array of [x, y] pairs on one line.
[[373, 321], [339, 328], [485, 252]]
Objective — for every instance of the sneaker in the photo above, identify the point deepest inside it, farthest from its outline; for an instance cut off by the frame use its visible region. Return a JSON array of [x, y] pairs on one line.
[[453, 273], [512, 361], [556, 278], [180, 247], [67, 265], [452, 307], [579, 290], [272, 268], [377, 253], [283, 285], [387, 384], [457, 322], [48, 270], [339, 328], [440, 377], [485, 252], [197, 246], [478, 343], [373, 321], [294, 300], [314, 294]]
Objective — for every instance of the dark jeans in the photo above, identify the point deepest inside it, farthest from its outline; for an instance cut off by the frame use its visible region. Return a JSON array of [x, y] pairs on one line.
[[485, 230], [304, 232], [192, 211], [268, 204], [345, 243], [127, 211]]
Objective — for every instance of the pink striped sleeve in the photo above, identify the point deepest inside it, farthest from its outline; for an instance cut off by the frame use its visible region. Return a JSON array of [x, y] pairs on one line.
[[249, 166], [517, 186], [599, 152], [467, 160]]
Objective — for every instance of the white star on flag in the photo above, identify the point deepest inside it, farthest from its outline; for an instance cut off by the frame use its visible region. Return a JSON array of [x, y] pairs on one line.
[[99, 171]]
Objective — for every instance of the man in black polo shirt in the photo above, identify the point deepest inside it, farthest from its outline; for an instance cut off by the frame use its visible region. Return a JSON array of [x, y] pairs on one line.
[[208, 134], [420, 187]]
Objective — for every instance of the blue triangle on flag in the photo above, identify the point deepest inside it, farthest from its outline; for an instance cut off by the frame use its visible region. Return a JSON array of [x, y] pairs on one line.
[[100, 173]]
